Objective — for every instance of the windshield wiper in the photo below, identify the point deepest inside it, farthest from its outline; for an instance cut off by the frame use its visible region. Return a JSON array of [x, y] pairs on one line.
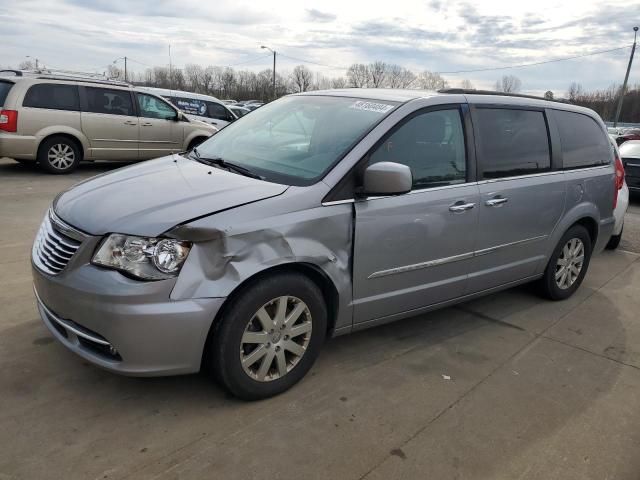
[[221, 163]]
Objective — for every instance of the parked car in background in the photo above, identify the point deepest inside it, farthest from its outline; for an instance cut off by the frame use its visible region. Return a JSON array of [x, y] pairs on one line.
[[317, 215], [197, 106], [229, 102], [630, 134], [247, 102], [252, 106], [622, 199], [60, 120], [239, 111], [630, 153]]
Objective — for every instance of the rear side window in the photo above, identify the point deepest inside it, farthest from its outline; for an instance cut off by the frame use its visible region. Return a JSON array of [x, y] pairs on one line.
[[584, 143], [112, 102], [512, 142], [52, 96], [4, 91]]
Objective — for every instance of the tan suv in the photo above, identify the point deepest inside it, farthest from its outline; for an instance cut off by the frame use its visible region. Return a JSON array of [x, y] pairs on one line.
[[59, 121]]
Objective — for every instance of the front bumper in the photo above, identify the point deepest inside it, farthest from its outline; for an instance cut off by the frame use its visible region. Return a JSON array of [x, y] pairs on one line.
[[123, 325]]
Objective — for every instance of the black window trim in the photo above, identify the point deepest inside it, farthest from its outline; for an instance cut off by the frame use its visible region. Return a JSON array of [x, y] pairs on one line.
[[24, 97], [552, 139], [341, 189]]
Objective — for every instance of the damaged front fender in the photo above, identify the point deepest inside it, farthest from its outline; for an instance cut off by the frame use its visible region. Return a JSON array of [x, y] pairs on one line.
[[227, 252]]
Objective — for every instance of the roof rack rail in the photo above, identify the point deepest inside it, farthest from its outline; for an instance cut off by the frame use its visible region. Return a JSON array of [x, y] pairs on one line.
[[471, 91], [57, 74]]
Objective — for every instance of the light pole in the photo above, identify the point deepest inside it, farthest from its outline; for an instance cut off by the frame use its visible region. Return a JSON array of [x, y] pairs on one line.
[[125, 66], [626, 78], [274, 69]]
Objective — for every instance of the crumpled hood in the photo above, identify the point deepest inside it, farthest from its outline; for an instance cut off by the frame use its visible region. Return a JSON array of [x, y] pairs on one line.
[[149, 198]]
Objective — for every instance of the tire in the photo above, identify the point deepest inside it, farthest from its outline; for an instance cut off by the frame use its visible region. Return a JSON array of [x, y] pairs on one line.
[[59, 155], [575, 248], [272, 364], [614, 241], [195, 142]]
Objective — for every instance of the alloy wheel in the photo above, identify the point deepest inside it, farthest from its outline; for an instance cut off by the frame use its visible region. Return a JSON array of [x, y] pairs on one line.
[[569, 264], [61, 156], [276, 338]]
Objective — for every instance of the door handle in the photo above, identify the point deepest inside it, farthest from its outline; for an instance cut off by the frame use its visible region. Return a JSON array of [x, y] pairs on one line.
[[129, 122], [460, 207], [496, 202], [147, 124]]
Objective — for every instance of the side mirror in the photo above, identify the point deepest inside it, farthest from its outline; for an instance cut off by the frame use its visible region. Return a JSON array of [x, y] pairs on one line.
[[387, 178]]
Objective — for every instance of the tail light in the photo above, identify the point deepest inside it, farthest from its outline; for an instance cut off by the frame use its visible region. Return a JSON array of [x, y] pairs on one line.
[[9, 120], [619, 178]]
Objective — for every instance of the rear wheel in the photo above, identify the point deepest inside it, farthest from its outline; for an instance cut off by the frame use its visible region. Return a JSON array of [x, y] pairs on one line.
[[614, 241], [59, 155], [269, 336], [195, 142], [568, 264]]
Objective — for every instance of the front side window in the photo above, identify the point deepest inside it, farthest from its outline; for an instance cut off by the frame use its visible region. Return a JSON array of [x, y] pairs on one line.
[[108, 101], [296, 140], [153, 107], [52, 96], [512, 142], [584, 143], [432, 145]]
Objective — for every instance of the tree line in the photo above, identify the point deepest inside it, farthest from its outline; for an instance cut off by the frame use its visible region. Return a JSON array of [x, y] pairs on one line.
[[229, 83]]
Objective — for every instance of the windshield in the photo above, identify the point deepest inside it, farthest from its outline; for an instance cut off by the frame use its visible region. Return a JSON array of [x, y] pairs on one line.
[[4, 91], [296, 140]]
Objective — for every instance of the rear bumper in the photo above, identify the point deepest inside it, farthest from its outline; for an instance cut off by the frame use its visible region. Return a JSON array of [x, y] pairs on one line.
[[124, 326], [22, 147]]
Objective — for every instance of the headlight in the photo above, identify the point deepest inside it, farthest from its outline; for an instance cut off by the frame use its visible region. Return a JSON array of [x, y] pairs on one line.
[[142, 257]]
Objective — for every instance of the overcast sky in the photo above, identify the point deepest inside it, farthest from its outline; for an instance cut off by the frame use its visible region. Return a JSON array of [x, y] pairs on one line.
[[434, 35]]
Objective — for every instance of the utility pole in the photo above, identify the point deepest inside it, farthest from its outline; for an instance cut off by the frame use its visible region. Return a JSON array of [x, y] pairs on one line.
[[626, 78], [274, 69], [125, 69]]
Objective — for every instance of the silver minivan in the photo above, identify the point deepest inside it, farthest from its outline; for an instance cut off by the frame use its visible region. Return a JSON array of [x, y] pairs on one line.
[[60, 120], [317, 215]]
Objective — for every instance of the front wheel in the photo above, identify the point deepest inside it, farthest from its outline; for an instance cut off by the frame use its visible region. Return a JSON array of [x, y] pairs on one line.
[[568, 264], [269, 336]]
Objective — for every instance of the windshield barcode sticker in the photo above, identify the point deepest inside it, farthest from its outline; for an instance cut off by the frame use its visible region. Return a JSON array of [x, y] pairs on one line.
[[371, 106]]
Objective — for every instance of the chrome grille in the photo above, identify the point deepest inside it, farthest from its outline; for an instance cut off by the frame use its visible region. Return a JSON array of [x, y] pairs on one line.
[[52, 249]]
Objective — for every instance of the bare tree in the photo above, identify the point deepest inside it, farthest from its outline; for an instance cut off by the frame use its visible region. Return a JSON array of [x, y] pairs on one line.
[[377, 74], [114, 72], [431, 81], [466, 84], [575, 91], [339, 82], [548, 95], [358, 75], [301, 77], [399, 77], [27, 65], [508, 84]]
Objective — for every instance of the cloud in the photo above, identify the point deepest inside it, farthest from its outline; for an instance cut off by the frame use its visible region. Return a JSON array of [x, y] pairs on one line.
[[318, 16]]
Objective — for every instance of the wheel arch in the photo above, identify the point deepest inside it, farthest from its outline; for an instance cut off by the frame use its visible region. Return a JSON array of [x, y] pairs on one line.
[[311, 271], [73, 136]]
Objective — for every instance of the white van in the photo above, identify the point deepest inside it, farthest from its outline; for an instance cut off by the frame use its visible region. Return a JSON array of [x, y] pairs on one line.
[[197, 106]]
